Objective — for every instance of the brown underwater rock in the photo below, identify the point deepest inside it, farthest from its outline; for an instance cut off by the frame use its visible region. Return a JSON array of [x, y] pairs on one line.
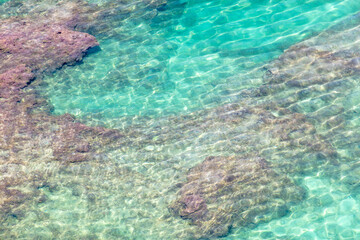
[[36, 146], [259, 151], [40, 46], [224, 192], [331, 55], [219, 193], [14, 79], [33, 146], [318, 70]]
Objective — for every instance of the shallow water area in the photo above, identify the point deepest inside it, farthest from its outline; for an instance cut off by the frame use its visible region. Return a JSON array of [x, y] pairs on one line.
[[185, 56], [271, 80]]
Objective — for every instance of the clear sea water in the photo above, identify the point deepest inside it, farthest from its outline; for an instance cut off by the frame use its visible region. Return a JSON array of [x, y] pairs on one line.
[[192, 55]]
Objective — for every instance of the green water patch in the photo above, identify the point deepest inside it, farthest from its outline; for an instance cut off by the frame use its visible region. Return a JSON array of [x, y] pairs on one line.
[[185, 56]]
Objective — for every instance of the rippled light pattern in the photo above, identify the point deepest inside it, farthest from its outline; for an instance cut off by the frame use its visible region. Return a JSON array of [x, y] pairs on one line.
[[235, 119], [191, 55]]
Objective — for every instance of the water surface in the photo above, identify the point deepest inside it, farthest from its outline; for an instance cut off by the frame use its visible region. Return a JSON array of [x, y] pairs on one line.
[[191, 55], [180, 59]]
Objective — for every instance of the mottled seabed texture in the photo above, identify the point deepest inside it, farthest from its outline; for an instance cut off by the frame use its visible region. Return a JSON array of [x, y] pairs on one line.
[[179, 119]]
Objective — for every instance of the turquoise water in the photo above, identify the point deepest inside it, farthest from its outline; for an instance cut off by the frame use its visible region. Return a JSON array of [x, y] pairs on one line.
[[186, 57], [192, 55]]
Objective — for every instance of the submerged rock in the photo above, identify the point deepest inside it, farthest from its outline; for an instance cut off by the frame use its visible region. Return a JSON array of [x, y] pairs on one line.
[[14, 79], [30, 142], [260, 145], [260, 150], [320, 69], [331, 55], [224, 192], [40, 46]]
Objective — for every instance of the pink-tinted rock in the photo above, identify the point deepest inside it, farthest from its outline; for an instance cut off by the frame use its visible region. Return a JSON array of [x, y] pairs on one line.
[[29, 47], [39, 46], [14, 79], [194, 207], [219, 193]]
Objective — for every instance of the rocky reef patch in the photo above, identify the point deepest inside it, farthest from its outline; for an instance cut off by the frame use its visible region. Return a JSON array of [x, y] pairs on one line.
[[265, 147], [225, 192], [254, 149], [300, 119], [28, 48]]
